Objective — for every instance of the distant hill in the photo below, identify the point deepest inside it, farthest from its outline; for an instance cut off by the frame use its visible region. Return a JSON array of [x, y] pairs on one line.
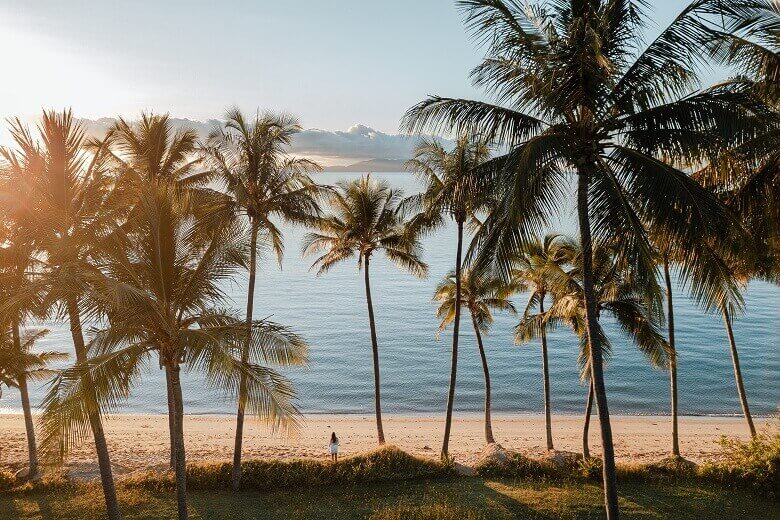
[[372, 165]]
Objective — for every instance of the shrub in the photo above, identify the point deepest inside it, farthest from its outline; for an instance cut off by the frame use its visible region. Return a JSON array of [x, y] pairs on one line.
[[517, 465], [7, 479], [385, 464], [425, 512], [755, 463], [590, 468]]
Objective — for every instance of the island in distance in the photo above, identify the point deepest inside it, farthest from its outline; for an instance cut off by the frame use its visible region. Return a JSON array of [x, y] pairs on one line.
[[371, 165]]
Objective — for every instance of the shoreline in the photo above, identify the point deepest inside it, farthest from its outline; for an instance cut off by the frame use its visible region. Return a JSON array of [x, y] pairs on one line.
[[416, 415], [141, 442]]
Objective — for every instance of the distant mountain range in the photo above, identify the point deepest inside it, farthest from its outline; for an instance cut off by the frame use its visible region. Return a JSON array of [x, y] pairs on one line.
[[372, 165]]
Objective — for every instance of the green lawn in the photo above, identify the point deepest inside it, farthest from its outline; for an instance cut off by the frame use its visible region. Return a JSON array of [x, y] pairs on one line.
[[463, 498]]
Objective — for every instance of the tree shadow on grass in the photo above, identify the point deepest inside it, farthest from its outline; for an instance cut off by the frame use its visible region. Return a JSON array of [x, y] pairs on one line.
[[361, 501]]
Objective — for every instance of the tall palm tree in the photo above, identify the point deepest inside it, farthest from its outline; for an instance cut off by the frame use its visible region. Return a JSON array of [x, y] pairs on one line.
[[452, 190], [366, 218], [264, 184], [480, 295], [618, 294], [20, 365], [573, 95], [538, 268], [159, 284], [747, 176], [66, 199], [151, 150]]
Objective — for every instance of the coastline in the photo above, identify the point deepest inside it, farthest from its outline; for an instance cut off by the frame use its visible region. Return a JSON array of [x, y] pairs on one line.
[[139, 442]]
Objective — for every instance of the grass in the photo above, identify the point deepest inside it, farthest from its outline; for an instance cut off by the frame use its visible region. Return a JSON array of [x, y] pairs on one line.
[[439, 499], [388, 484]]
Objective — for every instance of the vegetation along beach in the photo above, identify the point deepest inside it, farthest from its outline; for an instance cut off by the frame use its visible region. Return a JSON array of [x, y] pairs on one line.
[[547, 287]]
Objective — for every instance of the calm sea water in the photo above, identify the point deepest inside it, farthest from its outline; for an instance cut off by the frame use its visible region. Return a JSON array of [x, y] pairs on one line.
[[330, 312]]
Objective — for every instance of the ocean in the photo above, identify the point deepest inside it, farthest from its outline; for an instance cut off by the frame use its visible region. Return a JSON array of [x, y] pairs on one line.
[[330, 312]]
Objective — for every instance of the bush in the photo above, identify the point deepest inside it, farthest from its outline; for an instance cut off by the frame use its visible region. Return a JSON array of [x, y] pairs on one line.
[[385, 464], [754, 464], [7, 479], [517, 465], [426, 512], [590, 468]]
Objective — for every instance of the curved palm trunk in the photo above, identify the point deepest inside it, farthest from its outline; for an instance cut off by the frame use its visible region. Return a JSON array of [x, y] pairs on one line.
[[454, 361], [586, 426], [488, 422], [738, 373], [596, 362], [375, 351], [93, 411], [546, 381], [29, 426], [672, 359], [250, 299], [180, 466]]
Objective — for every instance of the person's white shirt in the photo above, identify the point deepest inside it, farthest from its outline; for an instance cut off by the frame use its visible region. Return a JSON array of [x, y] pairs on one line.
[[334, 447]]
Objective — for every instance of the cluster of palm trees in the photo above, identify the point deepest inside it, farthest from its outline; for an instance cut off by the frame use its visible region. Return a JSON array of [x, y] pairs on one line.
[[130, 236], [664, 169], [133, 233]]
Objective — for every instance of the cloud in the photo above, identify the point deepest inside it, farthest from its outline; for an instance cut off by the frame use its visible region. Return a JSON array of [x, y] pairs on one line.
[[358, 143]]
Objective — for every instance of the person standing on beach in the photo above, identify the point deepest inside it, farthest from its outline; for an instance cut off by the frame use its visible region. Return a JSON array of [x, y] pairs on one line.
[[334, 447]]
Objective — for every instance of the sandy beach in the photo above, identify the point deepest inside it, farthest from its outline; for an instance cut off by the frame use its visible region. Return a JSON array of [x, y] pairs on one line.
[[141, 441]]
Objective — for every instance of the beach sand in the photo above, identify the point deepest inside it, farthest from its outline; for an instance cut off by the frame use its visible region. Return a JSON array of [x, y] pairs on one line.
[[141, 441]]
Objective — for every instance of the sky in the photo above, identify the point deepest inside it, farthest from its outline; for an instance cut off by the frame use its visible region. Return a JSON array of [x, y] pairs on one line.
[[340, 65]]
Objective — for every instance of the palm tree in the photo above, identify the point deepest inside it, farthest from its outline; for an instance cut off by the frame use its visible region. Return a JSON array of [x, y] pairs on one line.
[[480, 295], [574, 96], [452, 189], [366, 218], [66, 193], [618, 294], [540, 266], [264, 183], [159, 284], [151, 150], [747, 176], [18, 366]]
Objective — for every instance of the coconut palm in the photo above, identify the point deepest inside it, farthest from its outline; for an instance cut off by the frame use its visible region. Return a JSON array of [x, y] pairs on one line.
[[747, 176], [65, 190], [480, 295], [366, 218], [152, 150], [538, 268], [577, 92], [454, 191], [264, 184], [18, 366], [159, 285], [618, 294]]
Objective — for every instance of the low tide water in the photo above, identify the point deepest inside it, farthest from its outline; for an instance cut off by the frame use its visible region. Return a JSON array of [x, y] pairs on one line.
[[330, 312]]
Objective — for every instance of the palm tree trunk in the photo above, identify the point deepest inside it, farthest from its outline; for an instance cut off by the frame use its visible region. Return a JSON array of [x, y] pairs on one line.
[[596, 362], [454, 361], [250, 302], [586, 426], [32, 447], [488, 422], [738, 373], [375, 351], [546, 381], [93, 412], [181, 461], [672, 359], [171, 416]]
